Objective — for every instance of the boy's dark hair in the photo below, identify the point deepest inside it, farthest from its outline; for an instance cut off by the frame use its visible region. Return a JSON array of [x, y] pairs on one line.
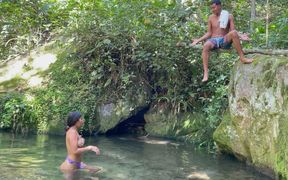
[[217, 2]]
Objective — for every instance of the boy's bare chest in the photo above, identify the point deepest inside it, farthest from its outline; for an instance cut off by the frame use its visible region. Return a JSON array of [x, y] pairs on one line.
[[215, 23]]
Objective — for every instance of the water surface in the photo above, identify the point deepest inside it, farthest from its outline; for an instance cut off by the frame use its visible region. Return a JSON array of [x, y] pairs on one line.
[[38, 157]]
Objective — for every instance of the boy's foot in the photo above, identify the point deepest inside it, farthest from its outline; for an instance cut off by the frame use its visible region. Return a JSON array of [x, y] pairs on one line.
[[205, 78], [246, 60]]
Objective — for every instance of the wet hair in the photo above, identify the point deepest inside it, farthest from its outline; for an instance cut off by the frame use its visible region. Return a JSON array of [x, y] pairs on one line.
[[72, 119], [216, 2]]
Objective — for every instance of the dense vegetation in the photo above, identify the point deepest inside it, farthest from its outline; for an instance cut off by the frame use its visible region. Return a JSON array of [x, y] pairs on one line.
[[107, 45]]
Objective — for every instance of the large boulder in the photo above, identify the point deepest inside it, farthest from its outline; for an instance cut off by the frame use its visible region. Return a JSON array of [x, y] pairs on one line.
[[255, 128], [111, 114], [161, 121]]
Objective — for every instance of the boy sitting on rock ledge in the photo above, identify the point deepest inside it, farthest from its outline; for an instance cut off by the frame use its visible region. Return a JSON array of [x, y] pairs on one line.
[[221, 34]]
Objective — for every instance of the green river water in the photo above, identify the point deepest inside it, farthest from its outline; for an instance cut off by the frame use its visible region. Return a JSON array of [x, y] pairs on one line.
[[121, 158]]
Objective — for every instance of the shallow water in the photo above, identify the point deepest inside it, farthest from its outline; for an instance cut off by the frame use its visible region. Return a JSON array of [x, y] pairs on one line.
[[38, 157]]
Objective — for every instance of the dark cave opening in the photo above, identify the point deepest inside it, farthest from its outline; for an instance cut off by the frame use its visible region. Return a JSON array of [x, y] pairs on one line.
[[134, 125]]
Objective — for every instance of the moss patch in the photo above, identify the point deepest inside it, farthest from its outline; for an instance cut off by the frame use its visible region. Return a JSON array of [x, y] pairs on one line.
[[281, 160], [223, 134], [13, 83]]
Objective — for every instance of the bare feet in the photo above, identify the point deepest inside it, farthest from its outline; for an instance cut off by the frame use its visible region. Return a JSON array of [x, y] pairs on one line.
[[246, 60], [244, 37], [205, 78]]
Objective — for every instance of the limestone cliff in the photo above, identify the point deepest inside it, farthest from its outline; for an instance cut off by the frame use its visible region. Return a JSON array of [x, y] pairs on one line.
[[255, 128]]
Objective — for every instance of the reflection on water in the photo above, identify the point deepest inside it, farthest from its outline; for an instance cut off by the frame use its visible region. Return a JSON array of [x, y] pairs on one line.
[[38, 157]]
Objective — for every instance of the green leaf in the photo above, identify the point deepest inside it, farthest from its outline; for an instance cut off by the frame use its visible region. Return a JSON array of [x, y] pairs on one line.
[[106, 41], [108, 82]]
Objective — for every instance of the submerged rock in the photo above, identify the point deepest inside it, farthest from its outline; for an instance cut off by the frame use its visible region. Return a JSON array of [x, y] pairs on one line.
[[198, 176], [255, 128]]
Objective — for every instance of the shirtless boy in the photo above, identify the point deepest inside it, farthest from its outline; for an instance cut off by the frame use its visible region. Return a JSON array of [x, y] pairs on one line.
[[220, 37]]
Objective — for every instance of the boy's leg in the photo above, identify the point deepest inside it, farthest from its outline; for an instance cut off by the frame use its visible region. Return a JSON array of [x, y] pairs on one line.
[[233, 37], [205, 57]]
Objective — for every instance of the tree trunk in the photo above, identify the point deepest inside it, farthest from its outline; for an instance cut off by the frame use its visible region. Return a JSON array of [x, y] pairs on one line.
[[267, 22], [253, 14], [283, 52]]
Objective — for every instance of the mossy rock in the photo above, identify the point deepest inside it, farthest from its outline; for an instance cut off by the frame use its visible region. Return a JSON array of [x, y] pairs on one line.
[[111, 114], [256, 128], [162, 122]]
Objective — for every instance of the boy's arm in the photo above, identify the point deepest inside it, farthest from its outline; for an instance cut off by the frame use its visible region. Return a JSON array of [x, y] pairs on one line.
[[242, 36], [231, 23], [206, 35]]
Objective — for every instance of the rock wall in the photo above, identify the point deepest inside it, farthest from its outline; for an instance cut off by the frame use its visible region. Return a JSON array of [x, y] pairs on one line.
[[111, 114], [255, 128], [161, 121]]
